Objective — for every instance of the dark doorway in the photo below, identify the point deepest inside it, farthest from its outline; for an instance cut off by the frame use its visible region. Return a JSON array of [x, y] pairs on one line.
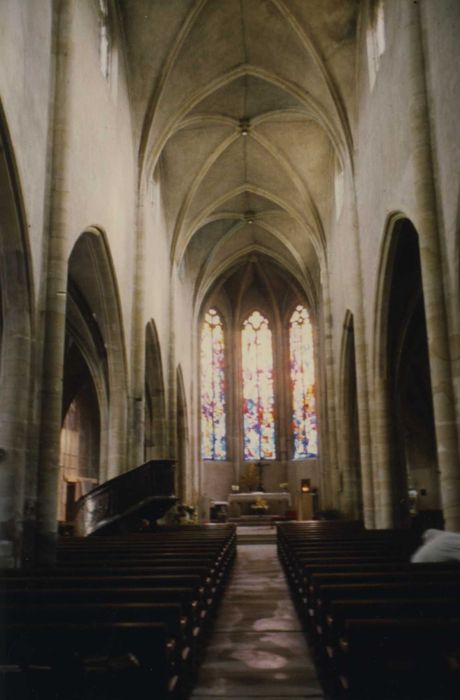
[[411, 420]]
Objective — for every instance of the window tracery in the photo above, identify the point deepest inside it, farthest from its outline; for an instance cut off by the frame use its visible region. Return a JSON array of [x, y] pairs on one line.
[[302, 370], [375, 40], [258, 396], [104, 38], [213, 430]]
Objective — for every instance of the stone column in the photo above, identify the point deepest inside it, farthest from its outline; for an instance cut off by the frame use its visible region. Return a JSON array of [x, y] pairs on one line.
[[384, 492], [136, 437], [195, 415], [282, 394], [432, 278], [55, 300], [237, 394], [349, 456], [171, 389], [321, 408], [330, 481], [362, 390]]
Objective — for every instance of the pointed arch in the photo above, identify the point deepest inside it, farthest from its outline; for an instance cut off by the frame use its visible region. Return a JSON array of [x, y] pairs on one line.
[[16, 340], [93, 289], [212, 386], [405, 429], [302, 371], [258, 390], [208, 214], [222, 270]]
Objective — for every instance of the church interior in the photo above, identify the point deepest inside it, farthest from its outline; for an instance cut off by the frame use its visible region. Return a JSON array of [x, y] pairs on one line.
[[229, 292]]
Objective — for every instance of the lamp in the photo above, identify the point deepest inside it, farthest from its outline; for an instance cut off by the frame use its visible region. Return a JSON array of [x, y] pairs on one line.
[[244, 127], [305, 486]]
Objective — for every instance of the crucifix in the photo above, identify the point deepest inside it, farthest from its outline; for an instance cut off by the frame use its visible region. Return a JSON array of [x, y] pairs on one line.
[[260, 486]]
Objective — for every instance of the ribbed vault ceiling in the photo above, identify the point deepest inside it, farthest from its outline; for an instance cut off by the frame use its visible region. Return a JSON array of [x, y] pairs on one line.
[[243, 109]]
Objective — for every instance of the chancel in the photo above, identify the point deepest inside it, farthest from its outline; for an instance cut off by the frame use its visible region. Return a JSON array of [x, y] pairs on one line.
[[276, 503], [229, 348]]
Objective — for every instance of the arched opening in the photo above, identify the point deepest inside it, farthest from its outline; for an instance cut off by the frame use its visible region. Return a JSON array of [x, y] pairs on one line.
[[350, 473], [80, 436], [94, 327], [85, 397], [17, 486], [154, 407], [182, 440], [258, 391], [411, 431]]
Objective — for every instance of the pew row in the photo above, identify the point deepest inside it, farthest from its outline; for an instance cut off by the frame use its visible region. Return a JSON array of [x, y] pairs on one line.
[[378, 626], [118, 617]]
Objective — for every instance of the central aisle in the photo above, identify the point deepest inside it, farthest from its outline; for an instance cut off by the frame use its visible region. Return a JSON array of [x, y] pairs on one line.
[[257, 648]]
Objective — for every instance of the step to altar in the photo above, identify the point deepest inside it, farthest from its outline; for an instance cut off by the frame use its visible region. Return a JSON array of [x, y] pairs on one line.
[[255, 520], [256, 534]]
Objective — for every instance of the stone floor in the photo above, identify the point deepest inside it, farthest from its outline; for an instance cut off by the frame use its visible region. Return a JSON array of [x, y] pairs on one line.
[[256, 534], [257, 649]]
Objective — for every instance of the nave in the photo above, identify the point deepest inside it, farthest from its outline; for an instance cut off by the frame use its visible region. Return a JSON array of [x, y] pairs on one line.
[[229, 244]]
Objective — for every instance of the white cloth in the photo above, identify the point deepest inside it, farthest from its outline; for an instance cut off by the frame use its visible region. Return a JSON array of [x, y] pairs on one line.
[[438, 546]]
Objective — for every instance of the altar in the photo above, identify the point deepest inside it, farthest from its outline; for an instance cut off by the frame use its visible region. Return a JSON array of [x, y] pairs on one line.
[[240, 503]]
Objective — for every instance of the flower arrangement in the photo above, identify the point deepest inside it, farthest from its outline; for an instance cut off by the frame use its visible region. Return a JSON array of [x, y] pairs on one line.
[[260, 506], [261, 502]]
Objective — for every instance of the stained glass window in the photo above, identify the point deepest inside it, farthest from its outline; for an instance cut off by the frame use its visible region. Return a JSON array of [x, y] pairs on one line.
[[258, 399], [213, 440], [302, 370], [104, 38]]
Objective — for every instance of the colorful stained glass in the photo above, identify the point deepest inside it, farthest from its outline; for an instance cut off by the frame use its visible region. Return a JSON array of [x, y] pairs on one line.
[[213, 439], [302, 368], [258, 399]]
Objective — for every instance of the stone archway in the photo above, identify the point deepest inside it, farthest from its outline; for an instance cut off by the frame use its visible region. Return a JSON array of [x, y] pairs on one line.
[[84, 399], [17, 487], [80, 444], [406, 440], [94, 323]]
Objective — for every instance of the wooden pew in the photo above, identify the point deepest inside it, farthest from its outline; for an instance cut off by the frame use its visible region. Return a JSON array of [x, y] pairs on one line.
[[191, 609], [340, 611], [127, 582], [359, 589], [172, 579], [110, 661], [401, 658]]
